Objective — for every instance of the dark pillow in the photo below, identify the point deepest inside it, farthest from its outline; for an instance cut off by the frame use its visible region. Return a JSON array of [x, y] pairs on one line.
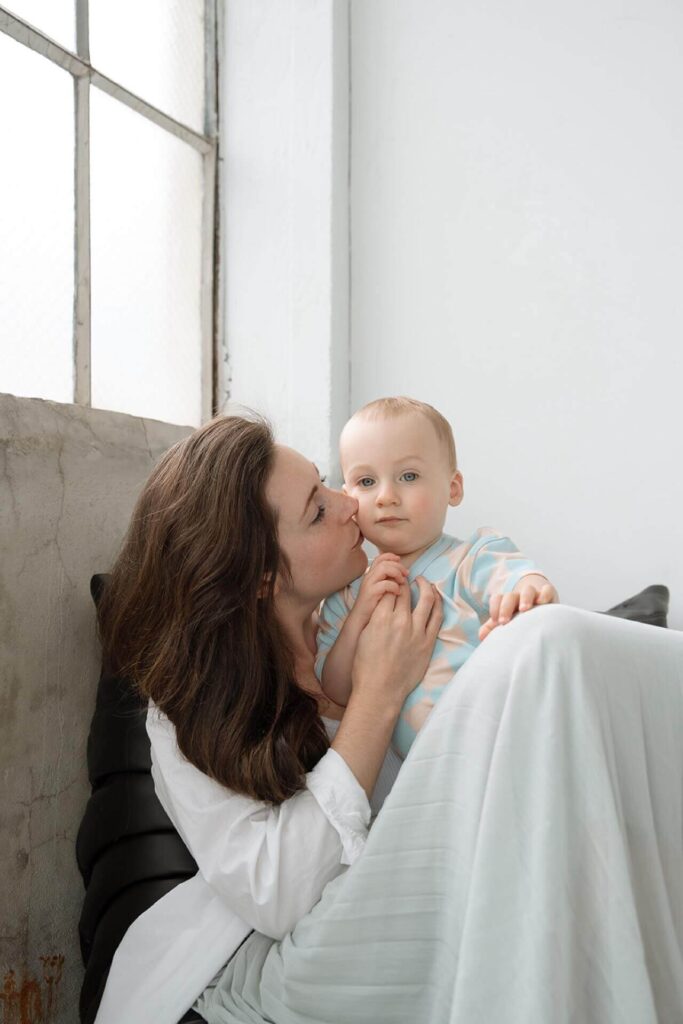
[[650, 606], [128, 852]]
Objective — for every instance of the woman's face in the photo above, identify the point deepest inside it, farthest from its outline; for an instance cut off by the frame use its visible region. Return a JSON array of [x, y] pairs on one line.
[[316, 529]]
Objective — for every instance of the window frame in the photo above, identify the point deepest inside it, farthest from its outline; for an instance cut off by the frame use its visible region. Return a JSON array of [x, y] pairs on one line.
[[206, 143]]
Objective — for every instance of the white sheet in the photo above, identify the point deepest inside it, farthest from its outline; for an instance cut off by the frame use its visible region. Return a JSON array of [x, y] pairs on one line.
[[527, 865]]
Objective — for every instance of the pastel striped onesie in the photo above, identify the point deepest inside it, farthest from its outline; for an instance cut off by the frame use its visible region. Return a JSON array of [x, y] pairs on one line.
[[467, 573]]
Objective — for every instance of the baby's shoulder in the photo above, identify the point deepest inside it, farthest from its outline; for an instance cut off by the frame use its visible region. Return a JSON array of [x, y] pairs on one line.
[[460, 552], [480, 537]]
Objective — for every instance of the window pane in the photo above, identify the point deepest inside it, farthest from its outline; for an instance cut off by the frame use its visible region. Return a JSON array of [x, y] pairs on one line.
[[36, 225], [155, 49], [146, 189], [56, 18]]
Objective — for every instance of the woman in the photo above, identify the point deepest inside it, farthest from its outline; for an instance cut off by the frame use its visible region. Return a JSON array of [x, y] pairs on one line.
[[528, 861]]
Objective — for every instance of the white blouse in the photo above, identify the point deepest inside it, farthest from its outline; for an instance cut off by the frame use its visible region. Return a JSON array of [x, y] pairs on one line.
[[260, 867]]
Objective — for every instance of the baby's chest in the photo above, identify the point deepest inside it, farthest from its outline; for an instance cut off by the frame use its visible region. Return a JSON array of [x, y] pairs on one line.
[[461, 620]]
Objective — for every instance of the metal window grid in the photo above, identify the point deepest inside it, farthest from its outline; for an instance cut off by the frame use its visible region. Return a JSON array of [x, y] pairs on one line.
[[207, 143]]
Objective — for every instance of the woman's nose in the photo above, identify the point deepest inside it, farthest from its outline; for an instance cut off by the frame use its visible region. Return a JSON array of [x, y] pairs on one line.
[[349, 506]]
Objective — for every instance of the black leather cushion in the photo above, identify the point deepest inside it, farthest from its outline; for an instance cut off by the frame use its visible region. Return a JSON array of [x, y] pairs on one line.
[[127, 849]]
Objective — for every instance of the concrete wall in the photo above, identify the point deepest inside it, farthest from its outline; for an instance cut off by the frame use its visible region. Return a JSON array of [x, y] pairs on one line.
[[517, 250], [68, 481]]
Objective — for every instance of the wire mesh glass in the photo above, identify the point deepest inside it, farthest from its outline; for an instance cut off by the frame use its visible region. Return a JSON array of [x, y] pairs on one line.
[[36, 225], [146, 221], [155, 48]]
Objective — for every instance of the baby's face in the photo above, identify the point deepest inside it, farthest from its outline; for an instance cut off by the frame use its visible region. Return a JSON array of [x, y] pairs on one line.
[[398, 471]]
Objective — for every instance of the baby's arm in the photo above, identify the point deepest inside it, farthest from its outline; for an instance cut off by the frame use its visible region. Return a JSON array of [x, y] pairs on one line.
[[385, 576], [501, 581], [336, 674]]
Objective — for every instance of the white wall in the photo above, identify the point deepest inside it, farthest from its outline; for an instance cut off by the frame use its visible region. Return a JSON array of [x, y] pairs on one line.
[[517, 253], [285, 180]]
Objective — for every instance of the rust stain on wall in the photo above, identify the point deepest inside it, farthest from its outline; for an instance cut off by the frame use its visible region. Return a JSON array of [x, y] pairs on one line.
[[32, 1000]]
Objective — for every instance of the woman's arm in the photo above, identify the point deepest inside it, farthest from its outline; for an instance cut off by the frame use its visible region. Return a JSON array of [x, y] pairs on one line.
[[269, 863], [392, 655]]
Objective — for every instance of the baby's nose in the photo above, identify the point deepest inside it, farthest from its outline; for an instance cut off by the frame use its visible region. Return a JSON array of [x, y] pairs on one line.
[[386, 493]]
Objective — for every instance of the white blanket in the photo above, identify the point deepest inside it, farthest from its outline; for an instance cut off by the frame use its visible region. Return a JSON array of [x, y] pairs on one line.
[[527, 866]]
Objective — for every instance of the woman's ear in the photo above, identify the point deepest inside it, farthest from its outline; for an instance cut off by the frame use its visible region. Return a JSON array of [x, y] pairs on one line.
[[264, 586], [457, 490]]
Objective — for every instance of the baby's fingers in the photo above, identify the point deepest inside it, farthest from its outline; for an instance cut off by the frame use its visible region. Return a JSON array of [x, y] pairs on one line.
[[387, 565], [507, 607], [527, 597], [547, 595], [487, 628]]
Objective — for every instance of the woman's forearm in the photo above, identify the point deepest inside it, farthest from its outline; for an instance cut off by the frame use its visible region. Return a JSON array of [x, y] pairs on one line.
[[363, 736]]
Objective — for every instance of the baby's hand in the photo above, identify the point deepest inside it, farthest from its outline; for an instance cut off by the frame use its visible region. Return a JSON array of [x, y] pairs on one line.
[[386, 575], [504, 607]]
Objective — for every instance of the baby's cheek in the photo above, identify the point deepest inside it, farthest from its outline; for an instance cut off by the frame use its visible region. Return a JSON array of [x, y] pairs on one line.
[[365, 516], [422, 505]]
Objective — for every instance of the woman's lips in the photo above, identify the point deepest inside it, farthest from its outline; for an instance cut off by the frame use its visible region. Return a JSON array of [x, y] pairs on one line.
[[360, 540]]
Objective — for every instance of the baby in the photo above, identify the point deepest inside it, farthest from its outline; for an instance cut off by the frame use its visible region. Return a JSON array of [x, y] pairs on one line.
[[398, 460]]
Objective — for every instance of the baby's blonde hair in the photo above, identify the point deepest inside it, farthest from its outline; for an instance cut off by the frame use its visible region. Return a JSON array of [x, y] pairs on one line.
[[393, 407]]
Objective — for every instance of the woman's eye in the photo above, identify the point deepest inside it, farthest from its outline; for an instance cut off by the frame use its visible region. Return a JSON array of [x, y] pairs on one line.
[[409, 476], [366, 481], [320, 515]]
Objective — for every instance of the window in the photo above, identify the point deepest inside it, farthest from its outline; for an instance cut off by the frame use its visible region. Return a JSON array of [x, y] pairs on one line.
[[108, 212]]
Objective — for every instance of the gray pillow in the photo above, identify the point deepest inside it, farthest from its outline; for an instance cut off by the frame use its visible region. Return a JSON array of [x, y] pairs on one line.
[[649, 606]]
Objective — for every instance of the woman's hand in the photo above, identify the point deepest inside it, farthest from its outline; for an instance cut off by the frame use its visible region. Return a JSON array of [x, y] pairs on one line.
[[393, 651], [503, 607], [386, 575]]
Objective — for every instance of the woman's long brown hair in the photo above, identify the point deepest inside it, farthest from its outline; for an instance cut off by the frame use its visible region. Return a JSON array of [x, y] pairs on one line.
[[188, 613]]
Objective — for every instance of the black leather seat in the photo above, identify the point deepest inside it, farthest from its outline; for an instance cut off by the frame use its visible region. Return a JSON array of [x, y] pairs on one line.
[[128, 852]]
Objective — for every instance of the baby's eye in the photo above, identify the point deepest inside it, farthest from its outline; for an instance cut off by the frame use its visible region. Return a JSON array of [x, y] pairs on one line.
[[366, 481], [321, 514], [409, 476]]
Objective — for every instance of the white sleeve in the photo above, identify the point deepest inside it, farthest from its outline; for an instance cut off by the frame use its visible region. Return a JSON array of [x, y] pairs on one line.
[[270, 864]]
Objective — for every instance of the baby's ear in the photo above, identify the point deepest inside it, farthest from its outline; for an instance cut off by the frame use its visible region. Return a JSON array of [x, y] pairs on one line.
[[457, 490]]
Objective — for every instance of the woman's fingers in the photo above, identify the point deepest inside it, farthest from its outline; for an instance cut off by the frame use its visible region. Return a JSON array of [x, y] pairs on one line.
[[435, 616], [425, 603], [402, 606]]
